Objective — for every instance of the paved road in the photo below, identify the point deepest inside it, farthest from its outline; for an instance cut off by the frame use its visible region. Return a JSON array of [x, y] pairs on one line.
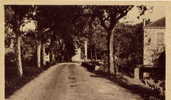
[[71, 82]]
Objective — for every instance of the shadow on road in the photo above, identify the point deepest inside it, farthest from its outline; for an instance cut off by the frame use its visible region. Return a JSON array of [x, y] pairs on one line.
[[14, 82], [144, 92]]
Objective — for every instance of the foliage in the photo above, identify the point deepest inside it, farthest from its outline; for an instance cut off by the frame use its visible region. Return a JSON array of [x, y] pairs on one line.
[[128, 43], [59, 21], [28, 53]]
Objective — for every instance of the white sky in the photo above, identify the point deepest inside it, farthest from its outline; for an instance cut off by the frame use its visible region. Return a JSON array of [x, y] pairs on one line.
[[29, 25], [131, 18]]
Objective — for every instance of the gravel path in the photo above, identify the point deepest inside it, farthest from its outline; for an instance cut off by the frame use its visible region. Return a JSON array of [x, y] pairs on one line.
[[71, 82]]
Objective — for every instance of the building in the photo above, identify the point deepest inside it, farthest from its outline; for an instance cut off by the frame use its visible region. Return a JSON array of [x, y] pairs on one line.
[[154, 44], [77, 56]]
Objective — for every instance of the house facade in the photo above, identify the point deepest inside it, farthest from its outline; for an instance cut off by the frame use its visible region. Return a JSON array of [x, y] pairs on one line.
[[154, 42]]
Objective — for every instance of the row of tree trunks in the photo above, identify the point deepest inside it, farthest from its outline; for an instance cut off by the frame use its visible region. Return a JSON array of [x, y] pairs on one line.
[[19, 59], [111, 68], [39, 47], [41, 54]]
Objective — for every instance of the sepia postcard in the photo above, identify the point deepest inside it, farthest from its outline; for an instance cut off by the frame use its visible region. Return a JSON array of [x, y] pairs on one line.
[[85, 50]]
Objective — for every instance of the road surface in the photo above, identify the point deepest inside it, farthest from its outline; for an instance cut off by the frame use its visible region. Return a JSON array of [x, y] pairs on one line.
[[70, 81]]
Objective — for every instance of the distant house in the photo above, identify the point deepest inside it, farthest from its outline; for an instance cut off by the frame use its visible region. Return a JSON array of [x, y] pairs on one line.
[[154, 44], [77, 56]]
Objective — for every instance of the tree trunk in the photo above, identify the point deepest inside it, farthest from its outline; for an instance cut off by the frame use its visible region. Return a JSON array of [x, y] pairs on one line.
[[52, 57], [39, 54], [43, 54], [95, 53], [112, 69], [85, 48], [11, 44], [20, 69], [91, 53]]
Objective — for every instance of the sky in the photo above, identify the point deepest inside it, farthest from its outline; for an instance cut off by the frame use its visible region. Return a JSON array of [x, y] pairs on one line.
[[156, 13], [29, 25]]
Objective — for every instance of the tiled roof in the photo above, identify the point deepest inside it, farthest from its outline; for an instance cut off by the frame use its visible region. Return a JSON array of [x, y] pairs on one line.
[[159, 23]]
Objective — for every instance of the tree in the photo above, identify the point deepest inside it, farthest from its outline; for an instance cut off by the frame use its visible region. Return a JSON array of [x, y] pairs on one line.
[[58, 21], [44, 16], [14, 16], [109, 16], [128, 46]]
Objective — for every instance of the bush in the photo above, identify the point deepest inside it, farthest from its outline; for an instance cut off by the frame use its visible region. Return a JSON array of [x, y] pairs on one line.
[[10, 65]]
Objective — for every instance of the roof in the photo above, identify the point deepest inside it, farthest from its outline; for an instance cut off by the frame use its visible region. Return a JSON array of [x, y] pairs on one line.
[[158, 23]]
